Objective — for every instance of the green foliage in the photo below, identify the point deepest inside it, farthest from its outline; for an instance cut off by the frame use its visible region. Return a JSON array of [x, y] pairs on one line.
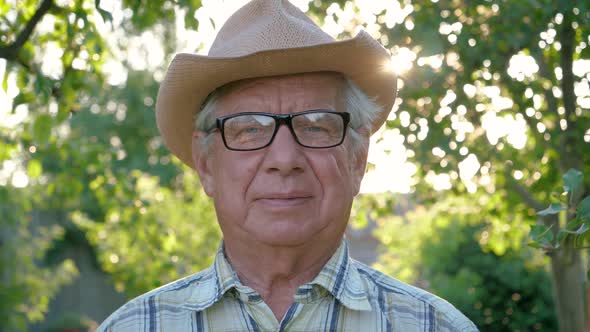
[[88, 149], [476, 103], [552, 209], [499, 293], [72, 322], [25, 289], [91, 150], [442, 249], [161, 235], [551, 236], [573, 183], [144, 220], [583, 209]]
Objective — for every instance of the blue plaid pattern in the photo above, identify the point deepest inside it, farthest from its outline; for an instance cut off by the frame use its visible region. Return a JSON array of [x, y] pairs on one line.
[[345, 296]]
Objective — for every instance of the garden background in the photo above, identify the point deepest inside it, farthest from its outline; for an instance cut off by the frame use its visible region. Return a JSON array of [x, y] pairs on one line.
[[493, 111]]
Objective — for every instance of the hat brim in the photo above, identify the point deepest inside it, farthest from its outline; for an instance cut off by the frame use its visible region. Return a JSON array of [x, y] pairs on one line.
[[191, 78]]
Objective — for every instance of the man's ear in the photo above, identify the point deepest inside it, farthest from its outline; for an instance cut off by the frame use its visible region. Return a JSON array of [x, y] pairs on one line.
[[201, 162], [359, 160]]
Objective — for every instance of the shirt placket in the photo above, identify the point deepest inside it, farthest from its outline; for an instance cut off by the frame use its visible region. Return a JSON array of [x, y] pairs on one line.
[[262, 317]]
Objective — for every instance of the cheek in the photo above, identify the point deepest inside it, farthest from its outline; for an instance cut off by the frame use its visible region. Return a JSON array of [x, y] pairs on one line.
[[333, 172], [337, 183], [230, 205], [233, 174]]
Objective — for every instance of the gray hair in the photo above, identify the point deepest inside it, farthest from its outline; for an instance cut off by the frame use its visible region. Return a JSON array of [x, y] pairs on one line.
[[362, 109]]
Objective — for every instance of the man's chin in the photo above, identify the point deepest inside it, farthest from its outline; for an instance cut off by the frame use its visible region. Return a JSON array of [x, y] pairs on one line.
[[283, 236]]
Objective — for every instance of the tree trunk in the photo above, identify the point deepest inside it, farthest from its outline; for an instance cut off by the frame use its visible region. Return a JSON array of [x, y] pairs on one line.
[[567, 264], [569, 284]]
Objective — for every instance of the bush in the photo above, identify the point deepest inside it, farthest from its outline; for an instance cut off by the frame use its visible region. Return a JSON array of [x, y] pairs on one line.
[[450, 250], [499, 293]]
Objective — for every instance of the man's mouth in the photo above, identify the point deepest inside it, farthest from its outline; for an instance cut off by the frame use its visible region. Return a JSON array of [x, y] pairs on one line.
[[284, 200]]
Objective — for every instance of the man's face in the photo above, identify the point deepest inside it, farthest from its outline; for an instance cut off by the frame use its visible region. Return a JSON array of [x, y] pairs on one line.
[[284, 194]]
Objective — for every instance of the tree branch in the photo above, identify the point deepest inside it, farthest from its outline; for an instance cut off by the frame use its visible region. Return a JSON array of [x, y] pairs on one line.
[[10, 52], [545, 72], [552, 105], [525, 194], [569, 141], [566, 62]]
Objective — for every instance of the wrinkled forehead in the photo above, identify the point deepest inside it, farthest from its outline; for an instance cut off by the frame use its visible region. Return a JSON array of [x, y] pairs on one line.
[[321, 89]]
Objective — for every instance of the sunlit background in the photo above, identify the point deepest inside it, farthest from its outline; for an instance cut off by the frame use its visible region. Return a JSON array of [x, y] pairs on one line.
[[388, 153], [479, 140]]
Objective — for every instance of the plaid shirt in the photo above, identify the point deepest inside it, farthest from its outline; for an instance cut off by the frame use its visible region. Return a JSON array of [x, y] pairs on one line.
[[345, 296]]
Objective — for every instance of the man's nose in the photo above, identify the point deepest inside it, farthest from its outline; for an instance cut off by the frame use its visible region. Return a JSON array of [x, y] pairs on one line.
[[284, 155]]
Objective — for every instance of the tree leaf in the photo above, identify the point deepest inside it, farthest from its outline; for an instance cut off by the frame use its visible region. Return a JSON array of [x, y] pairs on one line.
[[573, 180], [5, 80], [554, 208], [541, 233], [561, 235], [573, 224], [42, 128], [583, 210], [534, 245], [41, 87], [581, 230], [34, 168], [106, 15], [22, 98]]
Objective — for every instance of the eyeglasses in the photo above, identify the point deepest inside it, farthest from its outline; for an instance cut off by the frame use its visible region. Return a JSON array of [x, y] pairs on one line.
[[315, 129]]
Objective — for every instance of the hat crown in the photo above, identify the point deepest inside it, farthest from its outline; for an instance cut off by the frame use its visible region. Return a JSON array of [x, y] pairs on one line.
[[265, 25], [262, 39]]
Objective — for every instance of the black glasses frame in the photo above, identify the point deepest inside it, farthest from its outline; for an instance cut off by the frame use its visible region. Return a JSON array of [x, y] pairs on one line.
[[281, 119]]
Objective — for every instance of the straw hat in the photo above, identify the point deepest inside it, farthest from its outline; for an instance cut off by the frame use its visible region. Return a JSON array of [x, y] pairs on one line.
[[266, 38]]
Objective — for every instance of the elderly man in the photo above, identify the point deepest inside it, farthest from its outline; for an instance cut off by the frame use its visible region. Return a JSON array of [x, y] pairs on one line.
[[283, 119]]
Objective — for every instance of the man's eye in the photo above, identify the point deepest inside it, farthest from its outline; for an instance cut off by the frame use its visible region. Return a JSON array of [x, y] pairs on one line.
[[251, 130], [314, 129]]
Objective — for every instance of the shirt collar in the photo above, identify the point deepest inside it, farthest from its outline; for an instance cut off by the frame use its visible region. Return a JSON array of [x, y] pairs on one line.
[[228, 280], [212, 283], [337, 278]]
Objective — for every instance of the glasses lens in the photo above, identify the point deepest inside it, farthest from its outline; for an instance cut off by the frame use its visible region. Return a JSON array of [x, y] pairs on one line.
[[248, 131], [319, 129]]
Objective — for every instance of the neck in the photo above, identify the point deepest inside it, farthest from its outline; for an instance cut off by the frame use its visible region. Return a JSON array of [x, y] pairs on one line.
[[283, 269]]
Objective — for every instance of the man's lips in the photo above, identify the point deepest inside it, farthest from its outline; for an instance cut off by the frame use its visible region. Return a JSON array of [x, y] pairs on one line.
[[283, 199]]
